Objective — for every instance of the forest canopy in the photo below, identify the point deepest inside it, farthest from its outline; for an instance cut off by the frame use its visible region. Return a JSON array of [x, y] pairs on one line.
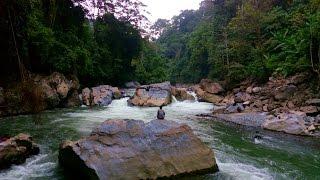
[[101, 42]]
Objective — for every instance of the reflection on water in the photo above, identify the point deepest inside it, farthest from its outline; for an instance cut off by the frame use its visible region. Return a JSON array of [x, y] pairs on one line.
[[239, 156]]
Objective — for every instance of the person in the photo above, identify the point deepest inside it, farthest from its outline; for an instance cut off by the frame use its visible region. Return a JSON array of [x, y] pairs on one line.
[[257, 136], [161, 114]]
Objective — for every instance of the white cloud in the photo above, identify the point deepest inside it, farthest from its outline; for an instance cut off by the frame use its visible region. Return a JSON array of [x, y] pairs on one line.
[[166, 9]]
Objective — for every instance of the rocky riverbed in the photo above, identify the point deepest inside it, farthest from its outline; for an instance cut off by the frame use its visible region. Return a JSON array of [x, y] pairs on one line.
[[285, 105]]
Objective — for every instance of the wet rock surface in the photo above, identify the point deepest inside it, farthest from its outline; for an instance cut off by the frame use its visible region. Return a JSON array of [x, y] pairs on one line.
[[131, 149], [253, 119], [288, 123], [181, 94], [16, 150], [153, 95], [100, 95]]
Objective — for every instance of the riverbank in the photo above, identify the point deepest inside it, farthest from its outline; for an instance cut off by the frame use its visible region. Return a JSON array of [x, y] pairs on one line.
[[290, 105]]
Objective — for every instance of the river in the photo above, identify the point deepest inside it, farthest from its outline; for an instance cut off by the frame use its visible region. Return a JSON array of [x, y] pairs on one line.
[[239, 156]]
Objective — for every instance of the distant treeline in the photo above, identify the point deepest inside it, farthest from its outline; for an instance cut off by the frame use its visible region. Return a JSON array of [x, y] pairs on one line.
[[238, 39]]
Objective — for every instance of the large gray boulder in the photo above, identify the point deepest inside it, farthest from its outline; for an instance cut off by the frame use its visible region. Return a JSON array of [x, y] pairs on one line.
[[153, 95], [100, 95], [16, 150], [131, 149], [288, 123]]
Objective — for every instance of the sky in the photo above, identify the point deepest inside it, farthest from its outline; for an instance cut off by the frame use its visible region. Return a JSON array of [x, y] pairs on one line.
[[166, 9]]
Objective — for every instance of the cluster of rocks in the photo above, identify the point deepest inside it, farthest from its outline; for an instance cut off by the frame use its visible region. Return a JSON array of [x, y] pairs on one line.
[[288, 103], [131, 149], [16, 150], [100, 95], [153, 95], [39, 93]]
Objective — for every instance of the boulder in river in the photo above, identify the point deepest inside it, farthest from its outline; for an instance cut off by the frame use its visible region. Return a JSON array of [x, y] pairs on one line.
[[210, 86], [131, 149], [288, 123], [16, 150], [208, 97], [181, 94], [100, 95], [153, 95]]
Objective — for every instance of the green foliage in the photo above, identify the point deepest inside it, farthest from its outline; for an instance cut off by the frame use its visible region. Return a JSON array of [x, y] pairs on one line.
[[235, 40], [56, 35], [150, 67]]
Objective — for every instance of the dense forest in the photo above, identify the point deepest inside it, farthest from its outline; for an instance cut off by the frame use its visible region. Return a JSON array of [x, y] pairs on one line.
[[228, 40], [233, 40]]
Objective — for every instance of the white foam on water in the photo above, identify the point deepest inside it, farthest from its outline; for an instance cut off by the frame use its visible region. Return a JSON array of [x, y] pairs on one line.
[[243, 171], [34, 167]]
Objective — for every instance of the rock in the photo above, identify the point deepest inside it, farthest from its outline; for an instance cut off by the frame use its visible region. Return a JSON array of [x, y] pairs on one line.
[[102, 95], [208, 97], [219, 110], [86, 96], [284, 92], [211, 87], [265, 108], [298, 79], [313, 102], [249, 90], [311, 128], [288, 123], [317, 119], [290, 105], [50, 95], [252, 119], [63, 89], [247, 103], [181, 94], [242, 97], [257, 104], [130, 149], [73, 100], [132, 84], [310, 110], [236, 90], [256, 90], [234, 108], [153, 95], [16, 150], [116, 93]]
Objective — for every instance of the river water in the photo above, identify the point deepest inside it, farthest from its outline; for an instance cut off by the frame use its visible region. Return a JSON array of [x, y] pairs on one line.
[[239, 156]]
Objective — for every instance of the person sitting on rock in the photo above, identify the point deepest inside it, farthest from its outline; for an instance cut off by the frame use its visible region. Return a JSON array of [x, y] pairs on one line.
[[161, 114]]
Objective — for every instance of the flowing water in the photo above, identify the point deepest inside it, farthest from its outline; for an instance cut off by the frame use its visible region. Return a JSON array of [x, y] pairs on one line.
[[239, 156]]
